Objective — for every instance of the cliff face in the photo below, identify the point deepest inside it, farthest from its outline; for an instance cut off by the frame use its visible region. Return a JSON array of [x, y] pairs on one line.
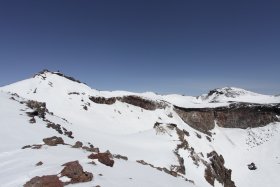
[[236, 115], [130, 99]]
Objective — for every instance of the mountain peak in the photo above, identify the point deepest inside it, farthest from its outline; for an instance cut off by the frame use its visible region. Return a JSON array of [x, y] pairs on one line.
[[45, 72], [229, 92], [219, 94]]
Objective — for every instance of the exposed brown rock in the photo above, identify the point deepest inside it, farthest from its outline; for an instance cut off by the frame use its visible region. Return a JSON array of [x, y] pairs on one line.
[[170, 172], [141, 102], [78, 144], [56, 127], [104, 158], [103, 100], [144, 163], [200, 120], [217, 170], [53, 141], [75, 172], [208, 175], [91, 149], [68, 133], [38, 107], [236, 115], [120, 157], [44, 181], [130, 99], [183, 145], [244, 115]]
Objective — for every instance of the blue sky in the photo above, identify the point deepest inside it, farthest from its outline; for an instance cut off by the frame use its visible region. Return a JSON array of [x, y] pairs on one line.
[[177, 46]]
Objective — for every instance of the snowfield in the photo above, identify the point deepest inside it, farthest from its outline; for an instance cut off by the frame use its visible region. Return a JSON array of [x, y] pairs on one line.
[[131, 131]]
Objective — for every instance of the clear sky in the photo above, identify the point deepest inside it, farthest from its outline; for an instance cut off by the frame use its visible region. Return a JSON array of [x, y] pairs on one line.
[[175, 46]]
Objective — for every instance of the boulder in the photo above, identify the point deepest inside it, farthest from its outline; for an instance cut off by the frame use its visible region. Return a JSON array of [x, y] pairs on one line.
[[39, 163], [104, 158], [75, 172], [78, 144], [44, 181], [53, 141], [252, 166]]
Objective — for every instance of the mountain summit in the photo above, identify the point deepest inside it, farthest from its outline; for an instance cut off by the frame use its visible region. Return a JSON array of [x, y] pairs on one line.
[[57, 130]]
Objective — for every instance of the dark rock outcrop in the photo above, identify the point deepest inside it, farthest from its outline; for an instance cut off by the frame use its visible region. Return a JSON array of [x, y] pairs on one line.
[[141, 102], [117, 156], [103, 100], [161, 128], [39, 163], [44, 181], [242, 115], [104, 158], [38, 107], [91, 149], [32, 120], [56, 127], [26, 146], [132, 100], [200, 119], [236, 115], [53, 141], [34, 146], [170, 172], [60, 129], [217, 170], [75, 172], [252, 166], [78, 144]]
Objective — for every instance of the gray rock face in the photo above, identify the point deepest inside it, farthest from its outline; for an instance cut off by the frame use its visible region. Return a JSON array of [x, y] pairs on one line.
[[236, 115], [200, 119]]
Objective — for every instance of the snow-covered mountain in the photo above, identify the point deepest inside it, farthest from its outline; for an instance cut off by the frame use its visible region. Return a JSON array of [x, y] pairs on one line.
[[228, 137]]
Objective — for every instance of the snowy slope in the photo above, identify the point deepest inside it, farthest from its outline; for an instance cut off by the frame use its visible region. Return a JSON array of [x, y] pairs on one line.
[[18, 165], [129, 130]]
